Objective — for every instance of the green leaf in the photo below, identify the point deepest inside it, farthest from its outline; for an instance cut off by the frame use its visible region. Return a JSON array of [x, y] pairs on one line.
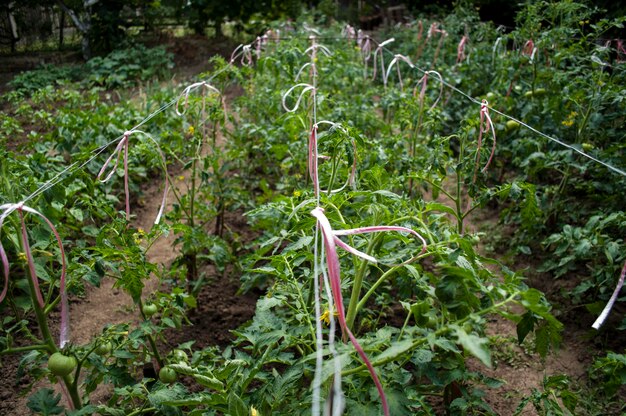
[[436, 206], [45, 402], [422, 356], [236, 406], [478, 347], [525, 326], [209, 382], [395, 350], [159, 396], [298, 245]]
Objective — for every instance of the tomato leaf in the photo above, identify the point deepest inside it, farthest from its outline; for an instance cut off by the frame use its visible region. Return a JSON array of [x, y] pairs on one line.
[[45, 402]]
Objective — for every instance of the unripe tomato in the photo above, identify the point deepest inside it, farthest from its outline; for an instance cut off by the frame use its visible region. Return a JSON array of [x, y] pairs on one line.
[[61, 365], [149, 309], [167, 375], [179, 356], [539, 92], [491, 96], [587, 147], [104, 348], [512, 125]]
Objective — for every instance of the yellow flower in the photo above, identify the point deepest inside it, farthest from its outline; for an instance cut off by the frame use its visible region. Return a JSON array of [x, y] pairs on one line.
[[253, 411], [138, 236], [326, 317], [191, 130], [569, 121], [21, 256], [297, 194], [180, 177]]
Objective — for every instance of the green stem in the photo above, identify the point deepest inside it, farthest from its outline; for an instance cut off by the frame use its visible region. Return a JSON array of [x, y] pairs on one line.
[[333, 175], [384, 277], [34, 347], [300, 297], [49, 344], [357, 284], [141, 411], [150, 338]]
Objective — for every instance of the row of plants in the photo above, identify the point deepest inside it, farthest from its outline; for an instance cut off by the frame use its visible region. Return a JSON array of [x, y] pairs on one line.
[[416, 314], [122, 68]]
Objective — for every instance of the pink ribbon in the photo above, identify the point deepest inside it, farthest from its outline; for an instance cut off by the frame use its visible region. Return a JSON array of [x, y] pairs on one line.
[[20, 208], [424, 83], [331, 241], [460, 49], [379, 52], [117, 154], [396, 59], [485, 126], [529, 49], [314, 156], [245, 51]]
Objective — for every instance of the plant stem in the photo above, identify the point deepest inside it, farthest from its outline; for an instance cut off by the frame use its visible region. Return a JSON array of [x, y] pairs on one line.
[[356, 286], [33, 347], [150, 338]]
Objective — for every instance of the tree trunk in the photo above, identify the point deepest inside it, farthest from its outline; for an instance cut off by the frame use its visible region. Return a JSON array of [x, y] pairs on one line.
[[14, 35], [61, 28], [83, 27]]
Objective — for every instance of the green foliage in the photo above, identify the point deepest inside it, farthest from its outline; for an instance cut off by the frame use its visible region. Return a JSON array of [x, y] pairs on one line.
[[121, 68], [129, 66], [44, 402], [418, 314]]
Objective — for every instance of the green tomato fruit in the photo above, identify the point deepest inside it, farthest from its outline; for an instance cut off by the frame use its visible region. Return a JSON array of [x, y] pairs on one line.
[[179, 356], [539, 92], [491, 96], [61, 365], [167, 375], [512, 125], [587, 147], [104, 348], [149, 309]]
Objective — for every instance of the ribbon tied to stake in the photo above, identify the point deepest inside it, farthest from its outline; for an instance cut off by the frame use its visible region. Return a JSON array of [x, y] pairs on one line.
[[314, 156], [460, 49], [379, 52], [123, 145], [486, 125], [21, 208], [331, 241], [424, 83], [395, 61]]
